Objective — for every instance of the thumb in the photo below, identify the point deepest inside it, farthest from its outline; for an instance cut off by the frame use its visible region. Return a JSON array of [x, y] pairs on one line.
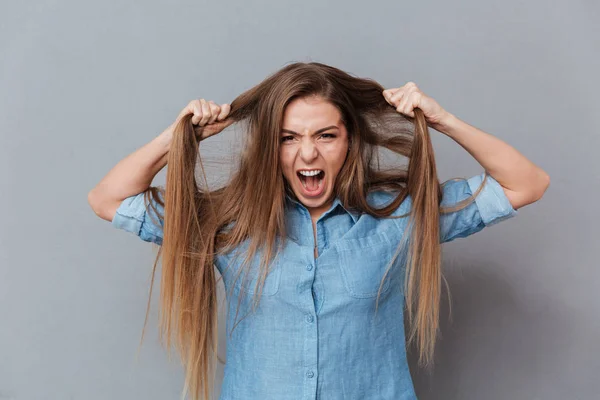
[[222, 124], [215, 127]]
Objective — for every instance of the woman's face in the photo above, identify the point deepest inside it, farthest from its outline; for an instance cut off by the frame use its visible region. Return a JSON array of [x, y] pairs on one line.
[[314, 145]]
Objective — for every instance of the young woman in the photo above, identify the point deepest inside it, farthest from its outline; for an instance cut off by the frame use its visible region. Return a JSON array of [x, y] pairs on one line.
[[332, 246]]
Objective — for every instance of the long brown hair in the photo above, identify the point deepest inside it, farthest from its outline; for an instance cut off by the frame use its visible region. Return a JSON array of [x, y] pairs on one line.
[[200, 223]]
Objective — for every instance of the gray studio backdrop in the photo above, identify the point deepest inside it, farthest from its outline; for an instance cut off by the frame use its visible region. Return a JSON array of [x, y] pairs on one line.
[[83, 84]]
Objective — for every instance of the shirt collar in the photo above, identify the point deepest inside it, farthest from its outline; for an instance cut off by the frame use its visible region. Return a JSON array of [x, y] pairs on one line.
[[336, 203]]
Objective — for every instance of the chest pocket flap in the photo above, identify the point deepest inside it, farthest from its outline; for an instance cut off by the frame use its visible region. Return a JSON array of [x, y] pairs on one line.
[[363, 264]]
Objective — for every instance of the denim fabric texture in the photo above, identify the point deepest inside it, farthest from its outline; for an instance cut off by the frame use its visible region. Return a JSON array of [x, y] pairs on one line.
[[315, 334]]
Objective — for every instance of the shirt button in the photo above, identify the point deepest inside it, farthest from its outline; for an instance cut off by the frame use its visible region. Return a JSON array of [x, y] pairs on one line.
[[309, 318], [310, 374], [309, 267]]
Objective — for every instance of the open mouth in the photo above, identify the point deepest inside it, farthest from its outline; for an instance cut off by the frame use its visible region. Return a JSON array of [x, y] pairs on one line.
[[312, 182]]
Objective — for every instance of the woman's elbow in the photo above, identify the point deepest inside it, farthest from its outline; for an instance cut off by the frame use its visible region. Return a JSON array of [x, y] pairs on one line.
[[543, 186], [102, 207]]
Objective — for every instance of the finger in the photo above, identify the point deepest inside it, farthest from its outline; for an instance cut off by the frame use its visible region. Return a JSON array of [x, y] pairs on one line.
[[214, 111], [390, 91], [397, 97], [186, 110], [411, 102], [406, 92], [225, 109], [197, 111], [406, 88], [401, 105], [205, 112], [414, 101], [408, 110]]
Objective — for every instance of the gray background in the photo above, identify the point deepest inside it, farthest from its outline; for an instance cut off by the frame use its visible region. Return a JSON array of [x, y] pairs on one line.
[[83, 84]]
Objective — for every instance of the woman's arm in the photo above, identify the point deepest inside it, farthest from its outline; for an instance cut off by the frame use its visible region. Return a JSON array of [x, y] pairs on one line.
[[134, 174], [522, 180], [130, 176]]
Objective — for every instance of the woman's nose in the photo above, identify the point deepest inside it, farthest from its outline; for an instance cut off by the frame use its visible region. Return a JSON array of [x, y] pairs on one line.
[[308, 151]]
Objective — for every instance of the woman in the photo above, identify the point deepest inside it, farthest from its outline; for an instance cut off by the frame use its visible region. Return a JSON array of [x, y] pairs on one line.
[[334, 246]]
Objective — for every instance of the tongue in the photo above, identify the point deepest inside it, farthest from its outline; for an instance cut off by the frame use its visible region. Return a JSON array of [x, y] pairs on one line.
[[312, 183]]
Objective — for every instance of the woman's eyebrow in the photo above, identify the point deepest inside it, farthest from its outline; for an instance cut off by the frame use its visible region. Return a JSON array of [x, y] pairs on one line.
[[315, 133]]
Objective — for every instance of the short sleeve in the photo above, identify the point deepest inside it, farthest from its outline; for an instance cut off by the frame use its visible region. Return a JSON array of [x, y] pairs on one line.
[[132, 216], [490, 207]]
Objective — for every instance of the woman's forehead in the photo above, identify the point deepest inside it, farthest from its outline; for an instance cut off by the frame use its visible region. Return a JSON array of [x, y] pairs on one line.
[[310, 113]]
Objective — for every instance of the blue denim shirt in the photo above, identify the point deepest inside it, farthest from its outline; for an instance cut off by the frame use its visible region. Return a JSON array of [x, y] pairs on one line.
[[315, 334]]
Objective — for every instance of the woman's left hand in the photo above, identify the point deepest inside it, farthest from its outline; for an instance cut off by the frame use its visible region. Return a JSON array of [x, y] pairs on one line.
[[408, 97]]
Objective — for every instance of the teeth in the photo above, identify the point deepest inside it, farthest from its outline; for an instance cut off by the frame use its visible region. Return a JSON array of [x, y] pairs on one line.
[[310, 173]]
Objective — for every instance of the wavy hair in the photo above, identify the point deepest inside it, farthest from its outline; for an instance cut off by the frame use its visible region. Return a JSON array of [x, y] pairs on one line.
[[199, 223]]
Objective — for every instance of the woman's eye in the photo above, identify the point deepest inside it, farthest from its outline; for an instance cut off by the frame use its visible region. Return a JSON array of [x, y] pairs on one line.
[[324, 136]]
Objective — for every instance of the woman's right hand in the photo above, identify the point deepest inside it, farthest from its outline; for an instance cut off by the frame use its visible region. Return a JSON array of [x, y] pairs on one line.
[[207, 115]]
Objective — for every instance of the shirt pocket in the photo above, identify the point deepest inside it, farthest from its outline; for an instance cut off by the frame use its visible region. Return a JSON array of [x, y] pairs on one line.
[[363, 264]]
